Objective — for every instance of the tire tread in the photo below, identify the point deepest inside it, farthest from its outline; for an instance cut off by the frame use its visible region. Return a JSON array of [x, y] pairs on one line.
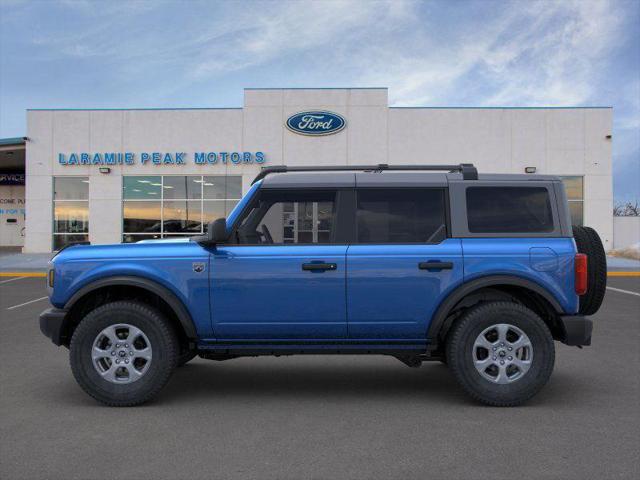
[[165, 331], [455, 342], [588, 242]]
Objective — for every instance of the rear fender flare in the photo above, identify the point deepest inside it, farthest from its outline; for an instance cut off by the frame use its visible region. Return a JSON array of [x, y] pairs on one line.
[[442, 312]]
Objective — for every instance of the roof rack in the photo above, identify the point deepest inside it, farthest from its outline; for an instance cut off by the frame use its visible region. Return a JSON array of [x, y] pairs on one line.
[[469, 172]]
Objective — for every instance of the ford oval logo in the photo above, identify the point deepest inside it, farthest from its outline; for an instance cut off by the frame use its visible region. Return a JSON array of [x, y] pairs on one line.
[[316, 123]]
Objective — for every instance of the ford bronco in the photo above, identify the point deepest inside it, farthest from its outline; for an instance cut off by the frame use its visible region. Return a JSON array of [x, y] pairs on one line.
[[422, 263]]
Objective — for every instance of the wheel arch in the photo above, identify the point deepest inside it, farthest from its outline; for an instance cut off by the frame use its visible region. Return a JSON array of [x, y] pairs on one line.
[[167, 300], [539, 298]]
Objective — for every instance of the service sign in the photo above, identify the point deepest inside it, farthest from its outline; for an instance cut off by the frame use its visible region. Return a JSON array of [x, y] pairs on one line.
[[11, 178], [316, 123]]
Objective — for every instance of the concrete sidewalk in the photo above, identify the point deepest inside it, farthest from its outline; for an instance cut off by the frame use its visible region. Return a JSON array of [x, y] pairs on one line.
[[37, 262], [617, 263], [23, 262]]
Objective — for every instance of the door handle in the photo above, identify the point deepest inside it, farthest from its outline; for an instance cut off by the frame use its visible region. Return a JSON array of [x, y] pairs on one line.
[[435, 265], [319, 266]]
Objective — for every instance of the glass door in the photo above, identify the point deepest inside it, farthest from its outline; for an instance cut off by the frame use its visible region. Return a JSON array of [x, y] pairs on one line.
[[306, 222]]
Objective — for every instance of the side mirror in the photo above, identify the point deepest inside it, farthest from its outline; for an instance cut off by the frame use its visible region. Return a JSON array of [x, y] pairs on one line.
[[217, 231]]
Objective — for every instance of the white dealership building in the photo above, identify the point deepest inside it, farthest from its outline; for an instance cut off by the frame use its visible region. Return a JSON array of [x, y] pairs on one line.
[[108, 176]]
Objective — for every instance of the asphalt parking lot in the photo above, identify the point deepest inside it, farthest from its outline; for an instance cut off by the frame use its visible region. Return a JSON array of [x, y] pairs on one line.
[[319, 417]]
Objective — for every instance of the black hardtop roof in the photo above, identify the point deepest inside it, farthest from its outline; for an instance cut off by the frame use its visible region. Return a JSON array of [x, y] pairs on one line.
[[403, 176], [468, 171]]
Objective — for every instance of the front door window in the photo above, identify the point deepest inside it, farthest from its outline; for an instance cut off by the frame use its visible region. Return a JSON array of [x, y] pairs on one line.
[[280, 217]]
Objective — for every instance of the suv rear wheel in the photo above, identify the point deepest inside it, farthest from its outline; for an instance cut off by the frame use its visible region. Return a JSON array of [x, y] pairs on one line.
[[501, 353], [123, 353]]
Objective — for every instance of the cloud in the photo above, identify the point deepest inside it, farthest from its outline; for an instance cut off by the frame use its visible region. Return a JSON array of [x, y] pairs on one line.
[[528, 53], [537, 53], [278, 30], [436, 53], [223, 37]]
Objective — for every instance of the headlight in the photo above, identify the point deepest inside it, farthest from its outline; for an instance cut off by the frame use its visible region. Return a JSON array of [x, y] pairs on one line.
[[51, 277]]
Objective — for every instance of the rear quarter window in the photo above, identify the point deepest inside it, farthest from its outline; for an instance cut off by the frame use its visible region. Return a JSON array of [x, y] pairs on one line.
[[509, 210]]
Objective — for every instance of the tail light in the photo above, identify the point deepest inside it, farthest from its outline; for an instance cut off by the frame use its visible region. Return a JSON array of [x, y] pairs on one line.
[[581, 282]]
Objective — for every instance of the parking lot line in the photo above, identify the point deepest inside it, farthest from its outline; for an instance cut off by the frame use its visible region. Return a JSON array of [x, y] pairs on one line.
[[623, 274], [624, 291], [27, 303], [11, 280], [23, 274]]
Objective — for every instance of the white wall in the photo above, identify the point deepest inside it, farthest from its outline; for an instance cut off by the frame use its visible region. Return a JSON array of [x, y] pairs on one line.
[[556, 141], [626, 232]]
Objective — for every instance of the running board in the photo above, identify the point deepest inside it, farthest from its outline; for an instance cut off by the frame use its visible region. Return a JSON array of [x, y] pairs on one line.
[[255, 348]]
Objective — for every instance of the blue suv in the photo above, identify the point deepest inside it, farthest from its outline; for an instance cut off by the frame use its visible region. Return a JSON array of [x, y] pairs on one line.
[[422, 263]]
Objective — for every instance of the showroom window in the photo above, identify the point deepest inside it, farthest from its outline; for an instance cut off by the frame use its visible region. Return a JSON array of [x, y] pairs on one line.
[[70, 211], [172, 206], [574, 187]]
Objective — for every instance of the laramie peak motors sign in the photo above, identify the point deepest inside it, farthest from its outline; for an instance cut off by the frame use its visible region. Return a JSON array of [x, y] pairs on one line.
[[160, 158], [316, 123]]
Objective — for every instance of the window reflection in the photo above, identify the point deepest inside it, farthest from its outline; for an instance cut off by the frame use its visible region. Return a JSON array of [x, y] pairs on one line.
[[289, 217], [576, 209], [144, 188], [182, 216], [574, 187], [187, 187], [221, 187], [71, 217], [70, 211], [174, 205], [71, 188], [141, 217], [131, 238], [60, 241], [213, 210]]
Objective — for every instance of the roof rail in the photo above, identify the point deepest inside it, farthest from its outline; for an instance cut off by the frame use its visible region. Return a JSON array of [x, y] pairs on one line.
[[469, 172]]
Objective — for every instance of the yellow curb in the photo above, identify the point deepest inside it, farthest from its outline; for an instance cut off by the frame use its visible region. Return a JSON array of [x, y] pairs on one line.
[[623, 274], [23, 274]]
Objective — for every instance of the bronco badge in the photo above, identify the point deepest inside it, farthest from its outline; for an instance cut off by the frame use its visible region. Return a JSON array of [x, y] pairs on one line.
[[198, 267]]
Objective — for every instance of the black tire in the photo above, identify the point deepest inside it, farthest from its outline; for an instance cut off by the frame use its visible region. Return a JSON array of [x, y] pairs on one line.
[[588, 242], [186, 356], [460, 346], [164, 349]]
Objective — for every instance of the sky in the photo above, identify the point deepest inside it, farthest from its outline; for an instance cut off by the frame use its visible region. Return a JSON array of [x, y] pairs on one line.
[[126, 54]]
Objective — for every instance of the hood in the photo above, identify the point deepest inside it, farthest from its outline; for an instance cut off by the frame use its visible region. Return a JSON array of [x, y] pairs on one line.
[[143, 249]]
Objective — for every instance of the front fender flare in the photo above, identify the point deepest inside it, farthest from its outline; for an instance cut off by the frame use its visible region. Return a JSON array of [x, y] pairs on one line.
[[183, 315], [440, 317]]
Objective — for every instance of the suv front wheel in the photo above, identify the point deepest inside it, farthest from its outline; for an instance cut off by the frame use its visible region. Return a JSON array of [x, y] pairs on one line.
[[123, 353], [501, 353]]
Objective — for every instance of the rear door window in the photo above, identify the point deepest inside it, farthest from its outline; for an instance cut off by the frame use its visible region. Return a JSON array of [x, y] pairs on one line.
[[407, 215], [509, 210]]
